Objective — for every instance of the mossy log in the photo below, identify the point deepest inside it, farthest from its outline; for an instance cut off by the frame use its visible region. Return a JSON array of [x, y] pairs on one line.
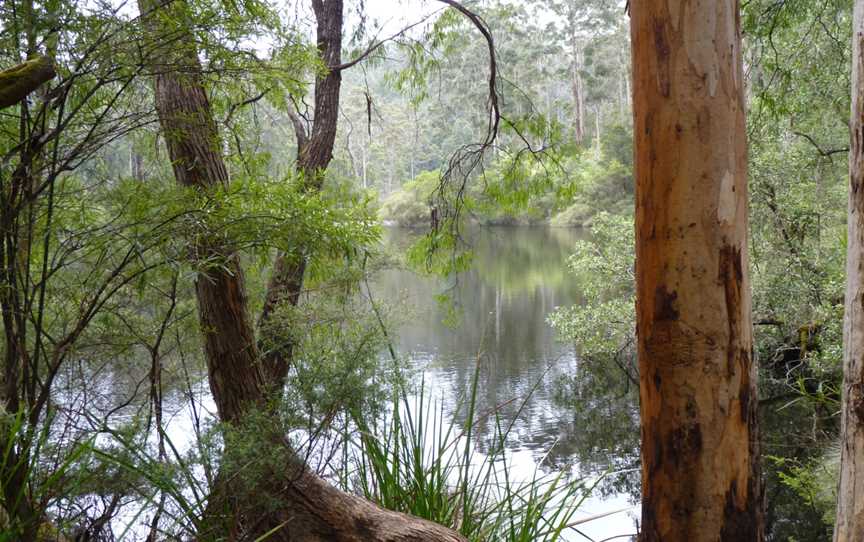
[[19, 81]]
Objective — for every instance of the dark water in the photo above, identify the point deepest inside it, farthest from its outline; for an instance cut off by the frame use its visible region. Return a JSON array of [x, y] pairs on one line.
[[495, 315]]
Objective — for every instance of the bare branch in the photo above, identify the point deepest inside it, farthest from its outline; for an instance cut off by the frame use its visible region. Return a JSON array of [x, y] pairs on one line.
[[377, 44], [466, 160], [822, 152], [244, 103]]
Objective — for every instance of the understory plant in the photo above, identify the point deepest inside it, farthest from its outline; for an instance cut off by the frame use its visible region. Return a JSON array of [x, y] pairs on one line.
[[425, 463]]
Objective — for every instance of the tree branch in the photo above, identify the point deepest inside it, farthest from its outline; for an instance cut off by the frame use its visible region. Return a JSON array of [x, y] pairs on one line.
[[468, 158], [819, 149], [244, 103], [19, 81], [377, 44], [480, 24], [299, 130]]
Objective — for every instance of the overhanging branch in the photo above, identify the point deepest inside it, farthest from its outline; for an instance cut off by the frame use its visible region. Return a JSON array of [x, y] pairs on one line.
[[822, 152], [19, 81]]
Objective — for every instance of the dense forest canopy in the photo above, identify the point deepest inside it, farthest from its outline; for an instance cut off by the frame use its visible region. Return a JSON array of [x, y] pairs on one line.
[[209, 208]]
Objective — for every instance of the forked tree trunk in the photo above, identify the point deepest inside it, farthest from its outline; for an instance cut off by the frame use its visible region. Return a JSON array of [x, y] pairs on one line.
[[700, 461], [311, 510], [850, 497]]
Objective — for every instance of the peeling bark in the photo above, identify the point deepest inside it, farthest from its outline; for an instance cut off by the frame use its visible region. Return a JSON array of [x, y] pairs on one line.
[[700, 460], [850, 496]]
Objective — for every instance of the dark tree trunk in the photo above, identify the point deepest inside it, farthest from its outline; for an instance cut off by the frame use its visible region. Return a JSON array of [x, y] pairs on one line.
[[310, 509], [193, 146], [314, 153]]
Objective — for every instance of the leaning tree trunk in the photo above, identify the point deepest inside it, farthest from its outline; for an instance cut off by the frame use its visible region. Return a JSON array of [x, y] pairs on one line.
[[700, 461], [850, 497], [19, 81], [310, 509], [193, 146]]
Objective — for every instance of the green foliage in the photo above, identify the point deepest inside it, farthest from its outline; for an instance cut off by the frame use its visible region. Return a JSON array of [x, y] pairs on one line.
[[339, 333], [420, 463], [47, 474], [603, 185], [602, 392], [521, 189], [410, 206], [798, 169], [98, 275], [603, 270], [814, 481]]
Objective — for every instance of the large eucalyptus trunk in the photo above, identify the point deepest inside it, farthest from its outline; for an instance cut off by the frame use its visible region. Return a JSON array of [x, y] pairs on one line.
[[850, 497], [700, 461]]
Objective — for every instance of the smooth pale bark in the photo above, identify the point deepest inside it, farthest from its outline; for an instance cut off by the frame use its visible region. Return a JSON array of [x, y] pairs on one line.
[[850, 497], [578, 92], [700, 461], [577, 87], [19, 81]]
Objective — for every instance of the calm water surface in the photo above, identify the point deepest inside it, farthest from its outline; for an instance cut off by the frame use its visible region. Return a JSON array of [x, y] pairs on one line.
[[495, 316], [495, 319]]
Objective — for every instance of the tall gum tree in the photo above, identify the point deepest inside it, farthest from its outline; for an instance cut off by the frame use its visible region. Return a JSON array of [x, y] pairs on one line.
[[700, 471], [850, 496]]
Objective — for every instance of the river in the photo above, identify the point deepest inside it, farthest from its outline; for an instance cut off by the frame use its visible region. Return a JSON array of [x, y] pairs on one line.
[[493, 323], [495, 314]]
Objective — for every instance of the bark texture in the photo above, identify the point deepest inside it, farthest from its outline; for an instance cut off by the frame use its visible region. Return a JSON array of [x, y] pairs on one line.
[[850, 497], [318, 512], [700, 460], [19, 81], [314, 153], [186, 120]]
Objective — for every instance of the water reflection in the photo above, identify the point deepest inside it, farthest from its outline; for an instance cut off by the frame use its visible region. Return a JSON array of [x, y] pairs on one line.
[[519, 276]]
